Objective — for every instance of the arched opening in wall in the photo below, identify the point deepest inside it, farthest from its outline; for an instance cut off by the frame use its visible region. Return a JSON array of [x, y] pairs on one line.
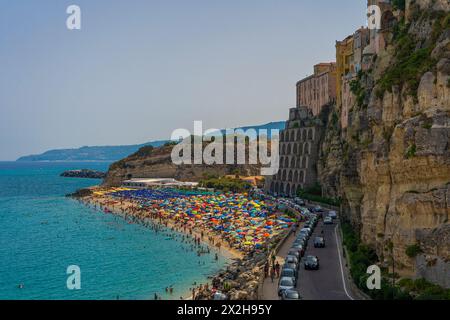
[[282, 136], [288, 150], [290, 176], [284, 175], [296, 176], [304, 135], [302, 176], [283, 149], [306, 148], [272, 187], [300, 149], [299, 135], [305, 162], [288, 189], [277, 187], [293, 162], [286, 162], [310, 134], [295, 149], [299, 162]]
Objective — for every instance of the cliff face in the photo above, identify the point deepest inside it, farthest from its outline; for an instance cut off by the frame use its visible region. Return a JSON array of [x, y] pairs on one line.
[[391, 166], [151, 162]]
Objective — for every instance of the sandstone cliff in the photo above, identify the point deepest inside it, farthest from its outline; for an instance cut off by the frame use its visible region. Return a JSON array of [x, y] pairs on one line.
[[391, 166], [151, 162]]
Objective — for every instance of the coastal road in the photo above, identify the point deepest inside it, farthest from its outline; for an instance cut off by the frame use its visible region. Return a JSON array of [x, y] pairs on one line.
[[327, 283], [330, 282]]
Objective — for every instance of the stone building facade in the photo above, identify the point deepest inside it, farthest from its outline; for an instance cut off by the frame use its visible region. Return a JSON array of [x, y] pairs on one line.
[[318, 89], [299, 144]]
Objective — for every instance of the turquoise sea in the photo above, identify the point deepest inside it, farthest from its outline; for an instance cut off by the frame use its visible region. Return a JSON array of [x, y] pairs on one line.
[[43, 232]]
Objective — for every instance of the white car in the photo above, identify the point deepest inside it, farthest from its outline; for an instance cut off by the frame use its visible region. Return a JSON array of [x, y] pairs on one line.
[[328, 220], [332, 214]]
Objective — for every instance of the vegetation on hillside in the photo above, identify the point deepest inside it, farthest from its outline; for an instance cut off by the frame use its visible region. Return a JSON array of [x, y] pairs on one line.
[[315, 194], [225, 184]]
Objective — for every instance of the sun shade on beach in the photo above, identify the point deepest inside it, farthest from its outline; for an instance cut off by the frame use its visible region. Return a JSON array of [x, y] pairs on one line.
[[245, 223]]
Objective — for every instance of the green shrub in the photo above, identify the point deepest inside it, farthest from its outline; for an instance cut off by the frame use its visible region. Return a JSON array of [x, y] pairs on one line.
[[413, 250], [411, 151]]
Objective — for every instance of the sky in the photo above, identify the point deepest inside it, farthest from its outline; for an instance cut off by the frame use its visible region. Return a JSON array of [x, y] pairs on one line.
[[139, 69]]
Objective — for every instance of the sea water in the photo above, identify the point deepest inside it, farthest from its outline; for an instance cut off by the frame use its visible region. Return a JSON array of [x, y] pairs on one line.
[[42, 232]]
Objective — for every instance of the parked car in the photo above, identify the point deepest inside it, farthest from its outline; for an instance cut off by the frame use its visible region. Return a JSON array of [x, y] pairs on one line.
[[301, 241], [332, 214], [311, 263], [299, 248], [286, 283], [289, 273], [295, 253], [308, 231], [319, 242], [328, 220], [290, 294], [292, 258], [304, 234], [317, 209], [290, 264]]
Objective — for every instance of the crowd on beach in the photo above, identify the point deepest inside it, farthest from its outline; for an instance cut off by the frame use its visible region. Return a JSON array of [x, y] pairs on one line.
[[241, 223]]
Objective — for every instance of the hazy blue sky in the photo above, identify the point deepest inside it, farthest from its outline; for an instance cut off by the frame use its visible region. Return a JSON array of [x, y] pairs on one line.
[[140, 69]]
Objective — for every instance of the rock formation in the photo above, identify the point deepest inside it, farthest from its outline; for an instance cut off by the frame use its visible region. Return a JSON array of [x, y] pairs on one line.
[[391, 166]]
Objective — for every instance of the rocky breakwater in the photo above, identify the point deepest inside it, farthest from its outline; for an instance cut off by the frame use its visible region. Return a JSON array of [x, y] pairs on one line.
[[391, 166], [84, 173]]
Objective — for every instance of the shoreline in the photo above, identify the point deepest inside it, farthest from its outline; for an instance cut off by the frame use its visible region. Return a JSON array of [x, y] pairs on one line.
[[123, 211], [240, 277]]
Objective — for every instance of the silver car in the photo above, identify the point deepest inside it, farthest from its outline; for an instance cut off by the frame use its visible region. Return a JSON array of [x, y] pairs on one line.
[[286, 283]]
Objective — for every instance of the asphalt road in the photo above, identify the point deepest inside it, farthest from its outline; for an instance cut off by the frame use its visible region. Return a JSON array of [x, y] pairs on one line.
[[327, 283]]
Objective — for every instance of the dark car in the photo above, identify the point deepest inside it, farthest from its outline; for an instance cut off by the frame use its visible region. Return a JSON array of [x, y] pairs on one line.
[[290, 294], [311, 263], [319, 242], [289, 273]]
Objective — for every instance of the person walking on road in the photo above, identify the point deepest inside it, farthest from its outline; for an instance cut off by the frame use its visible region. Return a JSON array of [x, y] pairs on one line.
[[277, 269], [266, 269], [272, 274]]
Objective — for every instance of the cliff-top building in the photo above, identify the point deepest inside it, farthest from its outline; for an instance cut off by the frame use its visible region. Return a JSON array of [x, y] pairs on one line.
[[318, 89]]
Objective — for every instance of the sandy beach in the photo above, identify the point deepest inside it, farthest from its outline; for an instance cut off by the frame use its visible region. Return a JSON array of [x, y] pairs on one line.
[[202, 234]]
